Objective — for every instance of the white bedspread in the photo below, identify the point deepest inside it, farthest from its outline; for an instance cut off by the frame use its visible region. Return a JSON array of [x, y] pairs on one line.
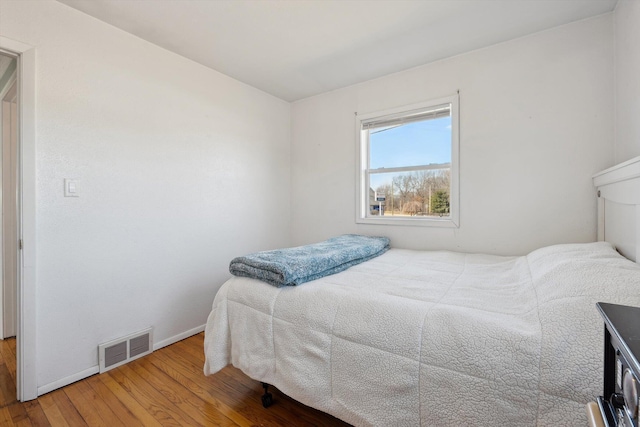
[[432, 338]]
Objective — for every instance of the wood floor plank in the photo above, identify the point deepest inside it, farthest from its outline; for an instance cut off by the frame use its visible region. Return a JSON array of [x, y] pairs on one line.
[[8, 395], [110, 400], [171, 402], [198, 388], [66, 408], [36, 414], [8, 350], [7, 387], [5, 417], [52, 411], [84, 404], [195, 348], [153, 402], [139, 411], [19, 415], [99, 405], [189, 403]]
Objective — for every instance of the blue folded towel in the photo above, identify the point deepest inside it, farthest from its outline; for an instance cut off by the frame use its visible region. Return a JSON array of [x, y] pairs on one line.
[[293, 266]]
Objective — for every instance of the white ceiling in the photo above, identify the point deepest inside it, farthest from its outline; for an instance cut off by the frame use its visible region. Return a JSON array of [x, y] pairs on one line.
[[294, 49]]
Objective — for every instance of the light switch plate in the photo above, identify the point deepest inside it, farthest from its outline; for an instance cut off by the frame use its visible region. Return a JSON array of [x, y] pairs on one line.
[[71, 188]]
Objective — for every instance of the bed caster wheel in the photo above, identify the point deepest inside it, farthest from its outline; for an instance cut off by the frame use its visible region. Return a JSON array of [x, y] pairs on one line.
[[267, 400]]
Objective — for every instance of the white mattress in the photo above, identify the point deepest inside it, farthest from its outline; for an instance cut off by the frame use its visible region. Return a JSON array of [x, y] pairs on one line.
[[432, 338]]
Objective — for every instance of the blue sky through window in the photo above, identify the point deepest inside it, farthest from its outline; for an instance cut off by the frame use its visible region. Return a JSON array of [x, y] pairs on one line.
[[413, 144]]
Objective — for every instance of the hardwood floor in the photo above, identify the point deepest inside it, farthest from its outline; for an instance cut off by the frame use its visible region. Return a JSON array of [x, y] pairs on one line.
[[7, 372], [165, 388]]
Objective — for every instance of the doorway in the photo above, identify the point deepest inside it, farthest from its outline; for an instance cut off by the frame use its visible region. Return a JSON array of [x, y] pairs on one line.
[[9, 124]]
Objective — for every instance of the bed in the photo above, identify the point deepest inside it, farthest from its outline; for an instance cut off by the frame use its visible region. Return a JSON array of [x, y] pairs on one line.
[[442, 338]]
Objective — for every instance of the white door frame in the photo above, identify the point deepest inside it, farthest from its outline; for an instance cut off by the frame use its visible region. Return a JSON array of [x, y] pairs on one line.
[[3, 94], [8, 301], [27, 384]]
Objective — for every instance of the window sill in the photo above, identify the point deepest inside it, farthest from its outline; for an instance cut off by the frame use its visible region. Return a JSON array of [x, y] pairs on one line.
[[410, 221]]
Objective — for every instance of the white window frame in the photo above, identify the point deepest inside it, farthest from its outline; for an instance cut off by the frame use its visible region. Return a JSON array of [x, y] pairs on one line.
[[362, 187]]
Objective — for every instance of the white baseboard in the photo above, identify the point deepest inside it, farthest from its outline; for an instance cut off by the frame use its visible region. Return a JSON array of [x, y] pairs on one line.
[[95, 369], [179, 337], [68, 380]]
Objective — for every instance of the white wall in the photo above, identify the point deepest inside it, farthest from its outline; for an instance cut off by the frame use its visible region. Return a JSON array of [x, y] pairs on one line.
[[179, 170], [179, 166], [627, 79], [536, 123]]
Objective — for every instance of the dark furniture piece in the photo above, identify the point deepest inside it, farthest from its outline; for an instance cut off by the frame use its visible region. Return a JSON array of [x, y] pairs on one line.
[[618, 406]]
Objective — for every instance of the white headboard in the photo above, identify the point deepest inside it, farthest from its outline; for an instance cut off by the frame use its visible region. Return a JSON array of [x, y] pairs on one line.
[[618, 207]]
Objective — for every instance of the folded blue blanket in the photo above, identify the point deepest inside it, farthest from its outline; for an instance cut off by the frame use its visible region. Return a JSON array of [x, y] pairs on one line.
[[293, 266]]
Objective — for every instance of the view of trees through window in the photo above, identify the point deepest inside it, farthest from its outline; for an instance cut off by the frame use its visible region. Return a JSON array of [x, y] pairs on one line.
[[417, 193]]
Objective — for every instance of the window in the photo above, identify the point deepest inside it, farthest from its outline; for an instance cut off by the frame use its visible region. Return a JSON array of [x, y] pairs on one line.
[[408, 165]]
